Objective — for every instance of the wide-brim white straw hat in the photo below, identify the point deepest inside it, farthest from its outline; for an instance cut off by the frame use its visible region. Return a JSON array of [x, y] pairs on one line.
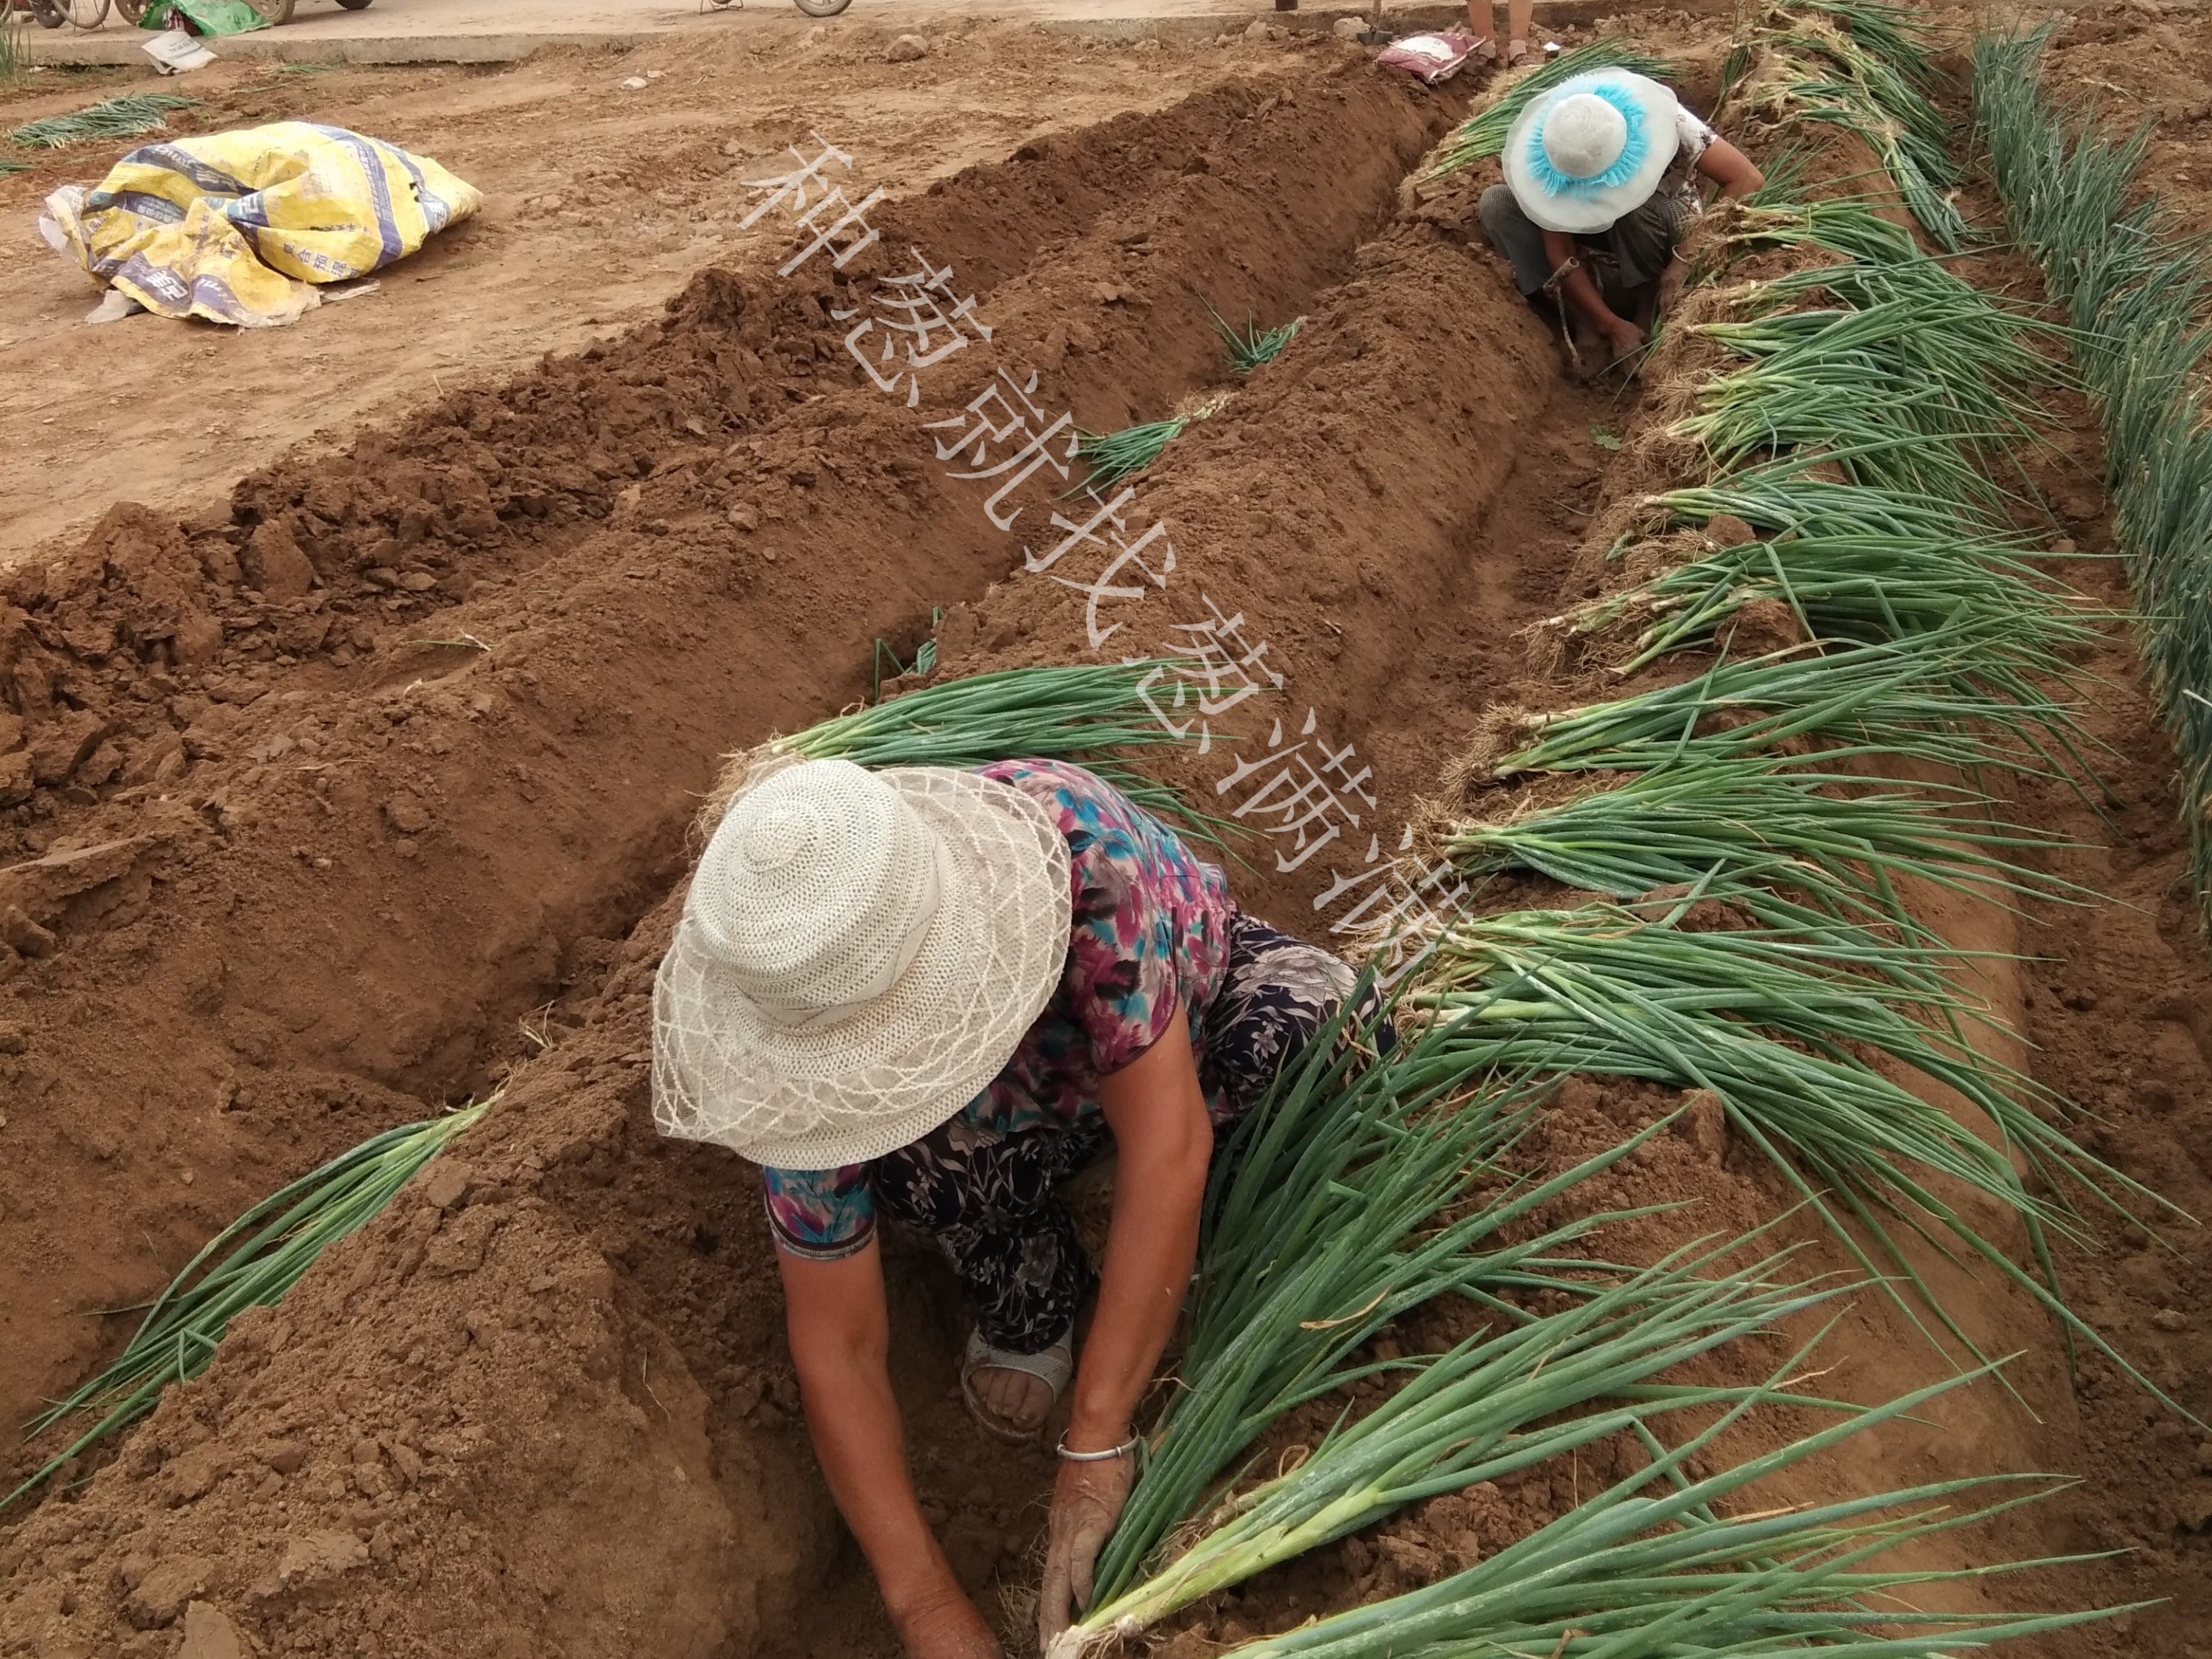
[[1592, 149], [861, 952]]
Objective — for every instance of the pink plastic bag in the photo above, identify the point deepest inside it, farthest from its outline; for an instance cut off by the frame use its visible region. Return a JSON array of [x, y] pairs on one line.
[[1428, 58]]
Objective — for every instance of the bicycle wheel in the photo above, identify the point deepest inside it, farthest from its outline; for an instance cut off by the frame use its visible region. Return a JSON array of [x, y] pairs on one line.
[[822, 7], [353, 5], [86, 14], [49, 13], [132, 11]]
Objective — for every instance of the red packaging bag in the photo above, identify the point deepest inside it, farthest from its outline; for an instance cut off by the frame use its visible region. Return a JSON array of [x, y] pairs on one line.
[[1428, 57]]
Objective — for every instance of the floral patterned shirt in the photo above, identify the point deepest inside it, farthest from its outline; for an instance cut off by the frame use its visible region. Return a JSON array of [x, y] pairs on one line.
[[1149, 940]]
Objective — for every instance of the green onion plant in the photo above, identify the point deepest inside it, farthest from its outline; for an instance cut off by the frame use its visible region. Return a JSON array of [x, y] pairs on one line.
[[2138, 290], [1864, 67], [1254, 346], [250, 1263], [1638, 1573], [1088, 712], [1506, 1398], [1483, 135], [1348, 1197], [122, 116], [1765, 1020]]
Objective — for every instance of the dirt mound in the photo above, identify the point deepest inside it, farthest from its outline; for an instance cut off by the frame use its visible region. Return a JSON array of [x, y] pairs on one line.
[[403, 741]]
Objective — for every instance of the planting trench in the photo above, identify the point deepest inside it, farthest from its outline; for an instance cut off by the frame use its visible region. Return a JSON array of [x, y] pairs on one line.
[[542, 1405], [333, 895]]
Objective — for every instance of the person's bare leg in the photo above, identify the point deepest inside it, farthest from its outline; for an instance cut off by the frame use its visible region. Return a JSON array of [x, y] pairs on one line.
[[1482, 24], [1516, 26]]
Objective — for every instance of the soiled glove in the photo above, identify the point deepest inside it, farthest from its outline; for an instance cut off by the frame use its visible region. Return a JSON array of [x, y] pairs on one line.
[[1086, 1501]]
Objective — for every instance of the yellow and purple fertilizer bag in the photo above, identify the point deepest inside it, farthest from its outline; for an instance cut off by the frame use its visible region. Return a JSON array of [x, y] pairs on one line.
[[237, 226]]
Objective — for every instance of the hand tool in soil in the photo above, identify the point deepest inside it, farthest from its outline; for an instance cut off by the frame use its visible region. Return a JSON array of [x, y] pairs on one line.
[[1508, 1397], [250, 1263], [1632, 1573]]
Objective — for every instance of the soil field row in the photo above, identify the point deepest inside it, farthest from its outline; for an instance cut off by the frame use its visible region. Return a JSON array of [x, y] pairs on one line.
[[374, 784]]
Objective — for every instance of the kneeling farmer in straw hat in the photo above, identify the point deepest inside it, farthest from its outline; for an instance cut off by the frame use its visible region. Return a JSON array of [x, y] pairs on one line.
[[936, 994], [1601, 176]]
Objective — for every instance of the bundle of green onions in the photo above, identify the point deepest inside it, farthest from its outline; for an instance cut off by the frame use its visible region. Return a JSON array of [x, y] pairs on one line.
[[1863, 66], [1947, 388], [1325, 1223], [1861, 587], [1499, 1402], [1115, 456], [1254, 346], [1817, 853], [1779, 1027], [255, 1260], [1086, 712], [1483, 135], [1633, 1573], [122, 116], [2139, 289], [1925, 696]]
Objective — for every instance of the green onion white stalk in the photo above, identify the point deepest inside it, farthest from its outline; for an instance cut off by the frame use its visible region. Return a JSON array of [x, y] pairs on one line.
[[1482, 1411], [1635, 1573], [1346, 1200]]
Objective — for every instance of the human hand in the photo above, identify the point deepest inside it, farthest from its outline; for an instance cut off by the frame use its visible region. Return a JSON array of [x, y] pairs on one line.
[[1624, 338], [1086, 1501], [1671, 283], [946, 1625]]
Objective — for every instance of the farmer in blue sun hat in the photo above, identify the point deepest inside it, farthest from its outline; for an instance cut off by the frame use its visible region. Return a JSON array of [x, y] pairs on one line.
[[1601, 185]]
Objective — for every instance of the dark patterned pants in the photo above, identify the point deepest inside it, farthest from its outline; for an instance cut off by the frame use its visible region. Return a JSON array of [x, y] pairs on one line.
[[989, 1201], [1634, 251]]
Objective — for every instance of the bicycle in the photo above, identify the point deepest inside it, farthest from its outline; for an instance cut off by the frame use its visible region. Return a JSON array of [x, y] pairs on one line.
[[812, 8], [271, 12]]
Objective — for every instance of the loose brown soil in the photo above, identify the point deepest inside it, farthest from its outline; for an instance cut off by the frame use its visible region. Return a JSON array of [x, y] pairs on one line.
[[367, 789]]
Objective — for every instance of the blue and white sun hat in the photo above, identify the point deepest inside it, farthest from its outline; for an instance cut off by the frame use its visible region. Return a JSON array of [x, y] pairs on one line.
[[1591, 149]]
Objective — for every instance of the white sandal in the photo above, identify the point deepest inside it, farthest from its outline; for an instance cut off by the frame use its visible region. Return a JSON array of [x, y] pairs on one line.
[[1053, 1367]]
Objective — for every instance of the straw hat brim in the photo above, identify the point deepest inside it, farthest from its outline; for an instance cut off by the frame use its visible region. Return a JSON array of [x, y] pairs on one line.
[[881, 1078], [1586, 209]]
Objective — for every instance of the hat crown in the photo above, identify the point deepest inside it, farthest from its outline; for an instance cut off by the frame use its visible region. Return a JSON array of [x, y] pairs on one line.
[[1584, 134], [816, 891]]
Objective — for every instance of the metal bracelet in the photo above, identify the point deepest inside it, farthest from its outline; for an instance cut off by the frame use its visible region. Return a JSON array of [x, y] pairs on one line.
[[1126, 1448]]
